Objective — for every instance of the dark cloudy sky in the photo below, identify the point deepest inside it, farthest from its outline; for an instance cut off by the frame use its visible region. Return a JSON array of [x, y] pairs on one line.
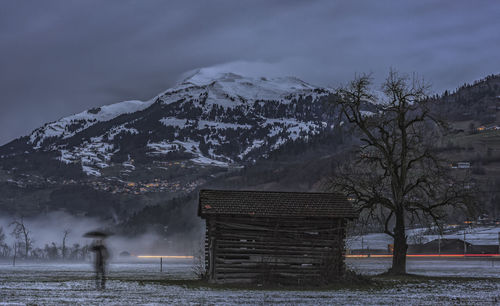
[[61, 57]]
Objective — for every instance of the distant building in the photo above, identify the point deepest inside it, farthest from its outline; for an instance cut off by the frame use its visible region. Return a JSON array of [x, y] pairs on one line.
[[274, 237], [463, 165]]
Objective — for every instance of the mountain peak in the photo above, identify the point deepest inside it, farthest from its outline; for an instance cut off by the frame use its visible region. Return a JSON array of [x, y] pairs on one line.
[[213, 117], [206, 76], [221, 83]]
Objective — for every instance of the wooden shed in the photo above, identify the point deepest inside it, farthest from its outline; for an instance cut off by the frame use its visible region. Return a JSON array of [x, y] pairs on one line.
[[274, 237]]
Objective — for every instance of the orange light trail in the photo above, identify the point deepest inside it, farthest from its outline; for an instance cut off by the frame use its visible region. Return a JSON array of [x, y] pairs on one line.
[[423, 255], [165, 256]]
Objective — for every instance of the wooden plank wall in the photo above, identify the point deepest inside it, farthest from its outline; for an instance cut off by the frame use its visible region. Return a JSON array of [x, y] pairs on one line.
[[267, 250]]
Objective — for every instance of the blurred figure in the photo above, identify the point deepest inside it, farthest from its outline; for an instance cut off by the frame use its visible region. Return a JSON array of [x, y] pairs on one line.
[[101, 255]]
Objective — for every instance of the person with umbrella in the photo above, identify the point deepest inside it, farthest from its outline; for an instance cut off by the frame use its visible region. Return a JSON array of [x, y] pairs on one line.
[[101, 255]]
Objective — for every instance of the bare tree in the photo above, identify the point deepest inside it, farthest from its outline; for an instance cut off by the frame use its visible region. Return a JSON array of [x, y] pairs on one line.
[[4, 248], [2, 235], [22, 234], [396, 175], [198, 266], [15, 247], [63, 247]]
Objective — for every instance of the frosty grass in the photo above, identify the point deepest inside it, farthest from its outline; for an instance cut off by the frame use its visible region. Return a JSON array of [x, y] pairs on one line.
[[467, 281]]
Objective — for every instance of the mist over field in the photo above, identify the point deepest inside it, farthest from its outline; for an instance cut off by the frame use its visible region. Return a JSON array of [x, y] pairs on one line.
[[49, 228]]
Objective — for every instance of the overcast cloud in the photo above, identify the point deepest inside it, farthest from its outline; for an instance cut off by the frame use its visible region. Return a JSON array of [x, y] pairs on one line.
[[62, 57]]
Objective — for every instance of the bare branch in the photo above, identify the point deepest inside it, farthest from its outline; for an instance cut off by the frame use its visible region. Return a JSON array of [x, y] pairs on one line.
[[396, 168]]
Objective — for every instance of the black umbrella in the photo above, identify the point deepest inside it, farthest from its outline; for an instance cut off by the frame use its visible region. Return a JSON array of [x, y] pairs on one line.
[[97, 234]]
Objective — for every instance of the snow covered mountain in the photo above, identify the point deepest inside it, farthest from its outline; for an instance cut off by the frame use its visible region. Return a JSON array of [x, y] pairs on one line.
[[217, 119]]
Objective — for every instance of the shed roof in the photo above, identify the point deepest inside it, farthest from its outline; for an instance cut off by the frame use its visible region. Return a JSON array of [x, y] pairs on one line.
[[274, 204]]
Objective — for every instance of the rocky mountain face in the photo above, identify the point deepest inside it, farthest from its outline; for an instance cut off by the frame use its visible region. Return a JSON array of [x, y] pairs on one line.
[[221, 120], [147, 152]]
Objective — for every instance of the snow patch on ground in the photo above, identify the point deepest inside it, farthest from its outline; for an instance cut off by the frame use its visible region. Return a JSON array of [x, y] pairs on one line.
[[255, 145], [367, 113], [221, 125], [96, 153], [119, 130], [292, 128], [90, 171], [91, 155], [66, 156], [202, 160], [192, 147], [172, 121], [162, 147]]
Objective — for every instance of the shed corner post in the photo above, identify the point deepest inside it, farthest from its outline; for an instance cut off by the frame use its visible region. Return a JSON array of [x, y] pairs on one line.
[[211, 240]]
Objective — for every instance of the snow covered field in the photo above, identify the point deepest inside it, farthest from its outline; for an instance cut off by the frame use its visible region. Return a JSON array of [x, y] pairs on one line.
[[460, 267], [480, 235], [138, 282]]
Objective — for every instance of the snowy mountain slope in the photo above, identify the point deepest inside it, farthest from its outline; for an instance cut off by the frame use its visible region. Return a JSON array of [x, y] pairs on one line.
[[69, 126], [220, 119]]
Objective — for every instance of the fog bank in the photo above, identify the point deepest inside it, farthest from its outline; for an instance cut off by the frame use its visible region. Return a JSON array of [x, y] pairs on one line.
[[49, 228]]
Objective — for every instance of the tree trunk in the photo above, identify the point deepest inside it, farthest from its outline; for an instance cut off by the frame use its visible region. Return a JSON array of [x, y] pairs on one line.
[[400, 246], [27, 246], [15, 254], [63, 249]]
